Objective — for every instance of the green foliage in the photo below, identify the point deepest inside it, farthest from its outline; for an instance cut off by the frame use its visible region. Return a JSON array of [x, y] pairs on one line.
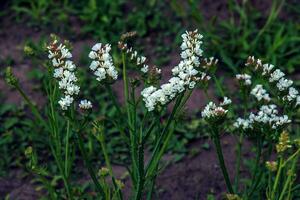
[[248, 31]]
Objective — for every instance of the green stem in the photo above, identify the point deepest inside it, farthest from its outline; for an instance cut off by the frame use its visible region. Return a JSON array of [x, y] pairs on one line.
[[216, 140], [61, 170], [258, 155], [125, 79], [89, 166], [101, 139], [141, 173], [238, 163], [67, 149], [289, 180], [113, 97], [219, 87], [155, 158], [33, 108], [277, 178]]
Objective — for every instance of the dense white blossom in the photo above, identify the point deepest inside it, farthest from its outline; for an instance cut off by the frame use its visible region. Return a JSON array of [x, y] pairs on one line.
[[102, 64], [64, 72], [85, 104], [292, 95], [212, 111], [276, 75], [260, 93], [284, 84], [243, 124], [244, 78], [65, 102], [185, 74], [266, 116]]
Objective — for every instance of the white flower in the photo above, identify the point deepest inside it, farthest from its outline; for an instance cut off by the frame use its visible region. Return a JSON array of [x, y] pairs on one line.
[[185, 74], [211, 111], [65, 53], [276, 75], [100, 73], [145, 69], [283, 84], [97, 47], [102, 63], [93, 55], [226, 101], [85, 104], [58, 72], [260, 93], [64, 72], [69, 65], [243, 124], [268, 115], [245, 78], [267, 68], [292, 95], [65, 102]]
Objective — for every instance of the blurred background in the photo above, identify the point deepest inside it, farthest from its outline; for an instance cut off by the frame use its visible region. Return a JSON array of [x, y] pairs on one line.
[[232, 30]]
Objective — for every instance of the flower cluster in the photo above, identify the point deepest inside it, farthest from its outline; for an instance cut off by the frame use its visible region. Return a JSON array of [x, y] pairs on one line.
[[85, 104], [260, 93], [244, 79], [266, 116], [277, 77], [209, 63], [212, 111], [64, 69], [185, 74], [140, 61], [102, 64]]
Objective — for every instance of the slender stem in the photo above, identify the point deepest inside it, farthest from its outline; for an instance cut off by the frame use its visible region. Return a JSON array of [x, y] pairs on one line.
[[61, 170], [155, 158], [113, 97], [277, 178], [150, 193], [238, 163], [291, 157], [239, 146], [258, 155], [289, 180], [67, 149], [216, 139], [89, 166], [101, 139], [141, 174], [32, 106], [125, 79], [219, 87]]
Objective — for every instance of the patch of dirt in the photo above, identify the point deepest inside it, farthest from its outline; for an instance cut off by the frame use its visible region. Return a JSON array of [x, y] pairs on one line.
[[194, 177]]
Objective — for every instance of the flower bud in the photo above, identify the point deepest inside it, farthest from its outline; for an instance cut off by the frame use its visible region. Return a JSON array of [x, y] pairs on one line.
[[120, 184], [271, 165], [10, 77], [103, 172]]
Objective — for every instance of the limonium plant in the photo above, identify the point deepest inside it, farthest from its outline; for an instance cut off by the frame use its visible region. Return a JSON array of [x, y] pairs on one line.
[[151, 110]]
